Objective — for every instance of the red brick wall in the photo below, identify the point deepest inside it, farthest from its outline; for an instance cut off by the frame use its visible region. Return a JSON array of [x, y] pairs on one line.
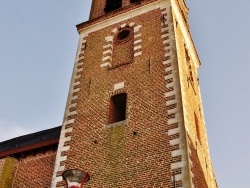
[[123, 51], [35, 170], [162, 96], [199, 179], [196, 130], [135, 153]]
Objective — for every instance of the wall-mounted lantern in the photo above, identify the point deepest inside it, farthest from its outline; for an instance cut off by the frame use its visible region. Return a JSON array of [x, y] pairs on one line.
[[75, 178]]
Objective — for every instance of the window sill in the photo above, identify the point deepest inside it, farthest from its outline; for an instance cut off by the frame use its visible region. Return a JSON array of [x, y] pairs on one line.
[[119, 123]]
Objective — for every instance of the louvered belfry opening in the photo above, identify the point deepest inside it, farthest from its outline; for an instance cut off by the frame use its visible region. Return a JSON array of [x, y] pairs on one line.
[[112, 5]]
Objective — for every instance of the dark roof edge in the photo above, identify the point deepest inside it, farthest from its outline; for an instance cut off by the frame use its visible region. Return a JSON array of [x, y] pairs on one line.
[[28, 147], [30, 141]]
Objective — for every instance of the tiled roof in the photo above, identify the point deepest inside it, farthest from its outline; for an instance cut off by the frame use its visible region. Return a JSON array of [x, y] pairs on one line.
[[38, 139]]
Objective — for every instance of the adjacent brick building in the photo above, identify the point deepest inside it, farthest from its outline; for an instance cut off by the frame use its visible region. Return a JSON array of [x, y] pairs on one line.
[[28, 161], [134, 115]]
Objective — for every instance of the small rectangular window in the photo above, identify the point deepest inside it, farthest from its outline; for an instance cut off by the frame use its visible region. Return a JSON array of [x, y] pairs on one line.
[[117, 108]]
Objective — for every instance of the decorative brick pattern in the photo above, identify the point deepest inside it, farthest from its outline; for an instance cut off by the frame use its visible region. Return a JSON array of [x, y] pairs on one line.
[[70, 112], [108, 46], [173, 102], [200, 167]]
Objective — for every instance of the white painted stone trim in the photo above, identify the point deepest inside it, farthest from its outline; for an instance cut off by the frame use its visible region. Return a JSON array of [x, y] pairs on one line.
[[137, 35], [106, 58], [61, 168], [137, 47], [164, 35], [173, 81], [79, 70], [108, 46], [123, 25], [72, 113], [107, 52], [78, 76], [137, 41], [66, 148], [68, 122], [107, 64], [58, 179], [178, 165], [164, 29], [138, 27], [137, 54], [131, 24], [80, 64], [76, 83], [67, 113], [74, 98], [67, 130], [119, 86], [114, 30], [109, 39]]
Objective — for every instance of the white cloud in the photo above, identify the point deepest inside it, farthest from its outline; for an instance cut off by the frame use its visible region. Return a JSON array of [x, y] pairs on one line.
[[10, 129]]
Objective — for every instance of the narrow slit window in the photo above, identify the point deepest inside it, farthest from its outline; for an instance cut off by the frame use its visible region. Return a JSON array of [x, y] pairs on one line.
[[117, 108], [112, 5]]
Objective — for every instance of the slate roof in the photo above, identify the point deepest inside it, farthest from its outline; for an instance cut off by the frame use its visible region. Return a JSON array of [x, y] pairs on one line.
[[31, 139]]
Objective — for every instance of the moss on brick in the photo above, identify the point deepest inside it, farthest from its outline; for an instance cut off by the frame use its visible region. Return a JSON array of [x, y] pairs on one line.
[[7, 173]]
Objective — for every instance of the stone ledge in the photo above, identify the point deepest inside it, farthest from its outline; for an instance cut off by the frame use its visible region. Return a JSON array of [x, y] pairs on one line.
[[109, 126]]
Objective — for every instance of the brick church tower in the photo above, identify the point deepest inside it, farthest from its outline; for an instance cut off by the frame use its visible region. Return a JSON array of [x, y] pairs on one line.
[[134, 115]]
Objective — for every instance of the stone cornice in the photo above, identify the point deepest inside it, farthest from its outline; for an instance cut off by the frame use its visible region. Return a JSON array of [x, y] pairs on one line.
[[119, 15]]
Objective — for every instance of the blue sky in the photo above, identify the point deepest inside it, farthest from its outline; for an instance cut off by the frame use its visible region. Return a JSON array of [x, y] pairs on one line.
[[38, 41]]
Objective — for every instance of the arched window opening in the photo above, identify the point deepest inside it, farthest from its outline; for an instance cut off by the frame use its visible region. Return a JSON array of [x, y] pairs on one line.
[[117, 108], [112, 5]]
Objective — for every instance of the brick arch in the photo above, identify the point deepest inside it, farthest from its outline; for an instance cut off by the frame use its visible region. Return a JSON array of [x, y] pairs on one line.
[[108, 48], [118, 91]]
